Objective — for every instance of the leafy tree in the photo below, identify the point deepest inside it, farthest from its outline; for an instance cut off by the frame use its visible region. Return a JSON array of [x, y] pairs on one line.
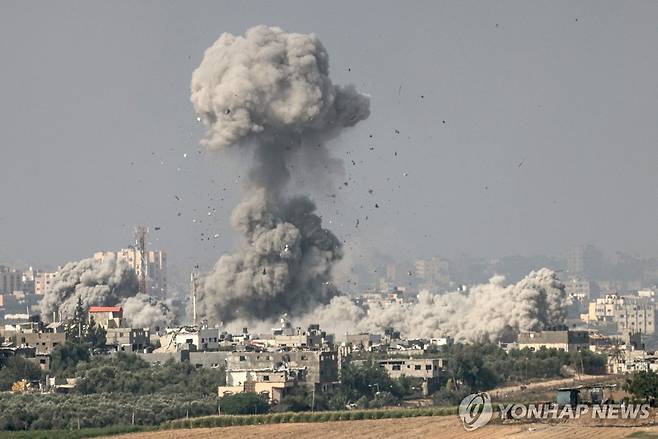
[[366, 380], [82, 329], [27, 411], [643, 385], [243, 404], [18, 368], [383, 399], [299, 399], [467, 364], [64, 358], [127, 372]]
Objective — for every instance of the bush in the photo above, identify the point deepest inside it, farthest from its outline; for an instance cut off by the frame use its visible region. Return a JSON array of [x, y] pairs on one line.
[[16, 369], [52, 411], [243, 404]]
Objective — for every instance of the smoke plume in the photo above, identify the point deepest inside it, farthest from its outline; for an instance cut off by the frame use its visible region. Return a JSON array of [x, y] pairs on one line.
[[106, 282], [144, 311], [483, 312], [269, 91], [95, 282]]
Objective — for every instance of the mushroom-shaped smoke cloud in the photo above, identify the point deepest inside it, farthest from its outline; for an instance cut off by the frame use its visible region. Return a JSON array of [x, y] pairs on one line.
[[270, 91], [267, 83]]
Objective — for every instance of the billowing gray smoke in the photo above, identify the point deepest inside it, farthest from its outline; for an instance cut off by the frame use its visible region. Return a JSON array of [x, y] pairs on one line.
[[106, 282], [270, 91], [95, 282], [144, 311], [483, 312]]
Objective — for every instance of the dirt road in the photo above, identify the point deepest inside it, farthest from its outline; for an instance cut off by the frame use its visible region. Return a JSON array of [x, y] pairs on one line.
[[564, 382]]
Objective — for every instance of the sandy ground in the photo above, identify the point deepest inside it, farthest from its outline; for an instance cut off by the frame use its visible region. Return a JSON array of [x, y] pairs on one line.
[[444, 427]]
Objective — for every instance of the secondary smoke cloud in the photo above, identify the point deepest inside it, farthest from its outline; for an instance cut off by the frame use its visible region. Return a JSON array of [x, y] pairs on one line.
[[106, 282], [144, 311], [270, 91], [483, 312], [93, 281]]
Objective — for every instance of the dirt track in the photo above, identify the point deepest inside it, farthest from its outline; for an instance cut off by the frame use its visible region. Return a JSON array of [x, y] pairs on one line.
[[564, 382], [423, 427]]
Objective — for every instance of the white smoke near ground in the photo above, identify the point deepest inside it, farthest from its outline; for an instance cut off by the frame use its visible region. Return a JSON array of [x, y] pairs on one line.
[[106, 282], [144, 311], [269, 91], [484, 312], [94, 282]]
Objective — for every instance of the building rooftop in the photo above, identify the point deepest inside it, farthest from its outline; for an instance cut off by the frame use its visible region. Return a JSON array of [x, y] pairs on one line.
[[105, 309]]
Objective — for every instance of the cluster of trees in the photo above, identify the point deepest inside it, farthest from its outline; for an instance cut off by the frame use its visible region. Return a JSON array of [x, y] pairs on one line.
[[479, 367], [50, 411], [111, 388], [128, 373], [483, 366], [14, 369], [363, 385], [81, 329], [643, 386]]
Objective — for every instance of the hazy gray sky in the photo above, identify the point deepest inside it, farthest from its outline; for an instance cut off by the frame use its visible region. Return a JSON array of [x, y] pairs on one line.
[[550, 136]]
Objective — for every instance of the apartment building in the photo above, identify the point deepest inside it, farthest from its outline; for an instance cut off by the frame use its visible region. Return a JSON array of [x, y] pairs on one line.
[[630, 313]]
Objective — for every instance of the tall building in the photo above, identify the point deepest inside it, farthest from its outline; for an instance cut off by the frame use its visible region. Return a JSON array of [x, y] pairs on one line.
[[10, 280], [578, 288], [434, 272], [155, 268], [585, 261], [631, 314], [43, 281]]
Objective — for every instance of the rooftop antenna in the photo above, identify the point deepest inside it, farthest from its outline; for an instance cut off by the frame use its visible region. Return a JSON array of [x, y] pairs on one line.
[[140, 244]]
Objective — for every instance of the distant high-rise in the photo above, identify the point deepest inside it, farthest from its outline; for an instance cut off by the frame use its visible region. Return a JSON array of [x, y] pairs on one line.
[[43, 280], [153, 265], [10, 280], [433, 272], [585, 261]]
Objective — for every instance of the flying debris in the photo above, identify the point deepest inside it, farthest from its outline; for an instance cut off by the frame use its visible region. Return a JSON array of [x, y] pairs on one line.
[[282, 103]]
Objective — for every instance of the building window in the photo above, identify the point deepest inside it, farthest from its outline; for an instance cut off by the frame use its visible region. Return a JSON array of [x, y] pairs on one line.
[[417, 367], [266, 377], [396, 367], [428, 367], [243, 358]]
